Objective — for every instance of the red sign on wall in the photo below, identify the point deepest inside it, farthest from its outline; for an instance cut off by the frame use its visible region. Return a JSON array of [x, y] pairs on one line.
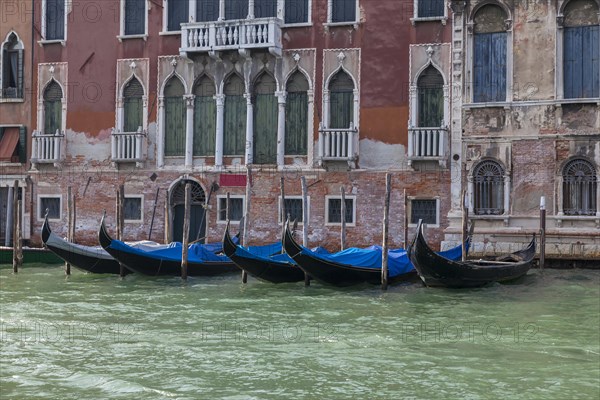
[[232, 180]]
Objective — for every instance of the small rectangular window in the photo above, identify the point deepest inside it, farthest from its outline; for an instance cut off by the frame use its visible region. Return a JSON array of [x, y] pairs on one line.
[[132, 208], [334, 210], [424, 209], [293, 209], [177, 14], [54, 20], [430, 8], [135, 17], [236, 208], [343, 11], [52, 204]]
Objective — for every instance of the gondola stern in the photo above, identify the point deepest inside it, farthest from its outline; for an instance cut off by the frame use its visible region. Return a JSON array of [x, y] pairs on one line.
[[103, 237], [46, 231], [229, 247], [289, 245]]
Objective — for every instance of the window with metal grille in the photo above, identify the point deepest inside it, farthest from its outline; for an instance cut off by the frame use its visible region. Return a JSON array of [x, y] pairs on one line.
[[52, 204], [343, 10], [293, 209], [52, 108], [132, 208], [236, 209], [425, 210], [334, 211], [488, 180], [430, 8], [580, 188], [296, 11]]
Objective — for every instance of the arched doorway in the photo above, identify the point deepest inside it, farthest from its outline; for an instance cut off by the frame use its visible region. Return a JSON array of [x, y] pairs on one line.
[[177, 206]]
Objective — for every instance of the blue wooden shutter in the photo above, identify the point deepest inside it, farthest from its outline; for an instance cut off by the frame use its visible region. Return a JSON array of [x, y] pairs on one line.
[[343, 11], [207, 10], [55, 19], [135, 17], [489, 67], [178, 11], [52, 108], [580, 62], [296, 11]]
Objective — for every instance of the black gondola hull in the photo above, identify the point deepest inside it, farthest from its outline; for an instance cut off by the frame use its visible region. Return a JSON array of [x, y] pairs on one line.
[[437, 271]]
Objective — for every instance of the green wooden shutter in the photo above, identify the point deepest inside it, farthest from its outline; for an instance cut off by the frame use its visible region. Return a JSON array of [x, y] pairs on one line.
[[205, 122], [341, 101], [296, 124], [132, 105], [52, 108], [175, 115], [431, 98], [265, 129], [20, 71], [234, 135], [22, 144]]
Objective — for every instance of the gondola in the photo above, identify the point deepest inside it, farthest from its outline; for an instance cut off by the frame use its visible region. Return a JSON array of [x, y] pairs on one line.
[[202, 260], [86, 258], [274, 268], [351, 266], [436, 270]]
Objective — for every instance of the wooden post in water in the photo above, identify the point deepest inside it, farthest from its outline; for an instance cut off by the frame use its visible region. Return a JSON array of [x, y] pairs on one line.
[[186, 231], [343, 219], [465, 223], [18, 242], [153, 214], [167, 220], [13, 229], [542, 231], [246, 217], [386, 220], [69, 224], [305, 221], [120, 221], [283, 209], [405, 221]]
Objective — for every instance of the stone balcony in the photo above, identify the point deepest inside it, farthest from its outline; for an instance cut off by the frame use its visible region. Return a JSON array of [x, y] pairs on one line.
[[427, 144], [338, 145], [47, 148], [239, 34], [127, 147]]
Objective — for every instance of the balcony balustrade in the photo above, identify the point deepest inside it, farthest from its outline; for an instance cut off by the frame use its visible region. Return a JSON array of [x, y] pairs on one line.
[[427, 144], [47, 148], [127, 146], [337, 144]]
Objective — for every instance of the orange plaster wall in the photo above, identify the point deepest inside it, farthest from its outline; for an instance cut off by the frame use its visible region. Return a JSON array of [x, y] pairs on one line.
[[384, 124]]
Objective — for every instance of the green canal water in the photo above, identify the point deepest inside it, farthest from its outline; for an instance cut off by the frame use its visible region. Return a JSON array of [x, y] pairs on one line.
[[100, 337]]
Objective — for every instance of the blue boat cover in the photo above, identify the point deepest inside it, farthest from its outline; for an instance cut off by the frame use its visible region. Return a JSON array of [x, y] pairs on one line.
[[370, 257], [266, 254], [197, 252]]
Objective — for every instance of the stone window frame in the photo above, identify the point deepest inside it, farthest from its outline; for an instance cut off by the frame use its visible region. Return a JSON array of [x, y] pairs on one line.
[[295, 197], [442, 18], [470, 49], [326, 97], [122, 36], [339, 197], [41, 213], [506, 190], [135, 196], [64, 101], [414, 95], [20, 47], [559, 65], [120, 107], [409, 201], [220, 210], [63, 41]]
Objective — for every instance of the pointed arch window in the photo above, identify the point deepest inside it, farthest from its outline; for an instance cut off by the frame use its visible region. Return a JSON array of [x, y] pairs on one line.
[[296, 115], [341, 101], [205, 117], [12, 68], [489, 55], [133, 94], [580, 187], [265, 120], [234, 130], [52, 108], [175, 118], [430, 87], [581, 50], [488, 179]]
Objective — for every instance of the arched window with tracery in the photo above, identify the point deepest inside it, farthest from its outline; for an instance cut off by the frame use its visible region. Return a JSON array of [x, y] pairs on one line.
[[580, 186], [488, 193]]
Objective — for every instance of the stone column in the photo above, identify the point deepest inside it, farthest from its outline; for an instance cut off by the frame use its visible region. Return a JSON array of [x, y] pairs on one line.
[[249, 129], [281, 99], [160, 133], [189, 131], [220, 100]]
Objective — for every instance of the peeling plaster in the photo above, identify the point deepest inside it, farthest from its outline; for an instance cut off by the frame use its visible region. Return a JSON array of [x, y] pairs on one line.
[[375, 154]]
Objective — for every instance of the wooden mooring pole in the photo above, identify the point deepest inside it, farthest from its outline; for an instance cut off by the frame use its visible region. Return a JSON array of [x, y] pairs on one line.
[[305, 221], [246, 225], [120, 221], [69, 224], [343, 219], [186, 231], [153, 214], [386, 220], [465, 223], [17, 236], [542, 231], [405, 221]]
